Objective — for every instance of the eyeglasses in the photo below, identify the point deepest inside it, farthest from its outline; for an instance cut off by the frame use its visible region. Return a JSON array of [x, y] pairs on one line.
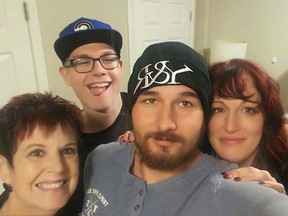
[[86, 64]]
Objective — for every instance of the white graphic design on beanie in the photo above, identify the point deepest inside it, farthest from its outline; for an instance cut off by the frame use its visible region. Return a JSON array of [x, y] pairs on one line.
[[160, 73]]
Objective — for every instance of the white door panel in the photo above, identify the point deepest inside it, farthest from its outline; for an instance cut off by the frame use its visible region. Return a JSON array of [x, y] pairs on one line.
[[17, 70], [152, 21], [8, 83]]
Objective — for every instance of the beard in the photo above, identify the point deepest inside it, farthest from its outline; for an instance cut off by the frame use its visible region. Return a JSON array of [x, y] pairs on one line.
[[163, 160]]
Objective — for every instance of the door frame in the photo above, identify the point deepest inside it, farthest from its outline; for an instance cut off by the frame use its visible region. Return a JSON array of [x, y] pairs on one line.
[[36, 44]]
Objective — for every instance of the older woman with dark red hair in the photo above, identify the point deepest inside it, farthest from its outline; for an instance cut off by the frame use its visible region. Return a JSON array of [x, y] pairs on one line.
[[39, 165], [247, 124]]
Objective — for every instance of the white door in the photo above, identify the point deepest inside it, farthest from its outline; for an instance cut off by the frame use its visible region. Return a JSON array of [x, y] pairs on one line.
[[18, 69], [22, 67], [152, 21]]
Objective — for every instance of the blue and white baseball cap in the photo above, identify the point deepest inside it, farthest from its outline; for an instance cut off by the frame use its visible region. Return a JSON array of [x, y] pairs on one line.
[[84, 31]]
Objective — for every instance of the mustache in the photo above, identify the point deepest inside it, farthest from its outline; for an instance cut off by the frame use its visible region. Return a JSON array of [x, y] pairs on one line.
[[166, 136]]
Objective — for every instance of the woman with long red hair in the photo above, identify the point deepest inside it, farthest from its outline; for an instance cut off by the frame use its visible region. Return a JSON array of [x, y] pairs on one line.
[[247, 124]]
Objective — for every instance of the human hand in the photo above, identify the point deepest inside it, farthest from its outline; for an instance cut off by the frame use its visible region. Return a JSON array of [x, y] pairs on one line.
[[127, 137], [253, 174]]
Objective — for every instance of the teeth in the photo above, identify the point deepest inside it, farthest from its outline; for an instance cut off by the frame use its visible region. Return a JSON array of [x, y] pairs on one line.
[[50, 186], [99, 85]]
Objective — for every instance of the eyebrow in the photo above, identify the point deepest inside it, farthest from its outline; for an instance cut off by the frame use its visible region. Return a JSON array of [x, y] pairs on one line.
[[190, 94], [243, 101], [183, 94], [44, 146], [102, 54], [149, 92], [71, 144], [33, 146]]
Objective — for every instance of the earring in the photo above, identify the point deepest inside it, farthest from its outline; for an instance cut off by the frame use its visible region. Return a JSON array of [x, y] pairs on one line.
[[7, 187], [4, 196]]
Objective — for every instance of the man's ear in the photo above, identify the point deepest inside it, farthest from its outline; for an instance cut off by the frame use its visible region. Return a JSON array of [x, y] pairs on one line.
[[4, 170], [65, 75], [121, 63]]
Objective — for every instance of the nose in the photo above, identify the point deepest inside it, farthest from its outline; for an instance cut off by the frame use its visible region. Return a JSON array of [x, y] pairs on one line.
[[97, 69], [231, 122], [56, 163], [166, 120]]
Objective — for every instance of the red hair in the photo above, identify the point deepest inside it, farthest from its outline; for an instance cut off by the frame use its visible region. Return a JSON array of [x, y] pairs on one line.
[[23, 113], [228, 81]]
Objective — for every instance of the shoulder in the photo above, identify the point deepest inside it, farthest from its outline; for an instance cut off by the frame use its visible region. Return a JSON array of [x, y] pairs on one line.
[[217, 164], [124, 98], [111, 152], [254, 198]]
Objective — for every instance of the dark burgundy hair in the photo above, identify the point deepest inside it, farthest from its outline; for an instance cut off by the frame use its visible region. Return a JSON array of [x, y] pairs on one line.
[[228, 81], [20, 116]]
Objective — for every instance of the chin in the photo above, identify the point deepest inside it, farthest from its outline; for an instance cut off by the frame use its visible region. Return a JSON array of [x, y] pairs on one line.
[[55, 205]]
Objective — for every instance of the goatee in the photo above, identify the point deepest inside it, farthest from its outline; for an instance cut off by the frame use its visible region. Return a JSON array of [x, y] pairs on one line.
[[163, 160]]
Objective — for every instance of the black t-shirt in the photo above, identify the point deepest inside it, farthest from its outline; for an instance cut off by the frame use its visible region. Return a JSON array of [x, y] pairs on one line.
[[89, 142]]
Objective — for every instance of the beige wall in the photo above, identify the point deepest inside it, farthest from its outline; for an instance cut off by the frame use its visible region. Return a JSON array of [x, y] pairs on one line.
[[54, 15], [262, 23]]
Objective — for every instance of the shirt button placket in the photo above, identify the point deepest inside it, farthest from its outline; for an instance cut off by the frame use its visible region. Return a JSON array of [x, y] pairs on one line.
[[141, 191], [137, 207]]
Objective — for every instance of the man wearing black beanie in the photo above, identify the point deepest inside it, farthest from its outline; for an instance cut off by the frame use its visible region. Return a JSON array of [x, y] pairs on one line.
[[170, 64], [165, 173]]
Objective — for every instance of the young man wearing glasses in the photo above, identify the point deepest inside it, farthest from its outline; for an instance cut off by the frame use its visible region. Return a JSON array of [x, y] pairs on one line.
[[90, 53]]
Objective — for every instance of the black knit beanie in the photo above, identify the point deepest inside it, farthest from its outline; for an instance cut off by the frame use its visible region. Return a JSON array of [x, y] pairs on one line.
[[170, 63]]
